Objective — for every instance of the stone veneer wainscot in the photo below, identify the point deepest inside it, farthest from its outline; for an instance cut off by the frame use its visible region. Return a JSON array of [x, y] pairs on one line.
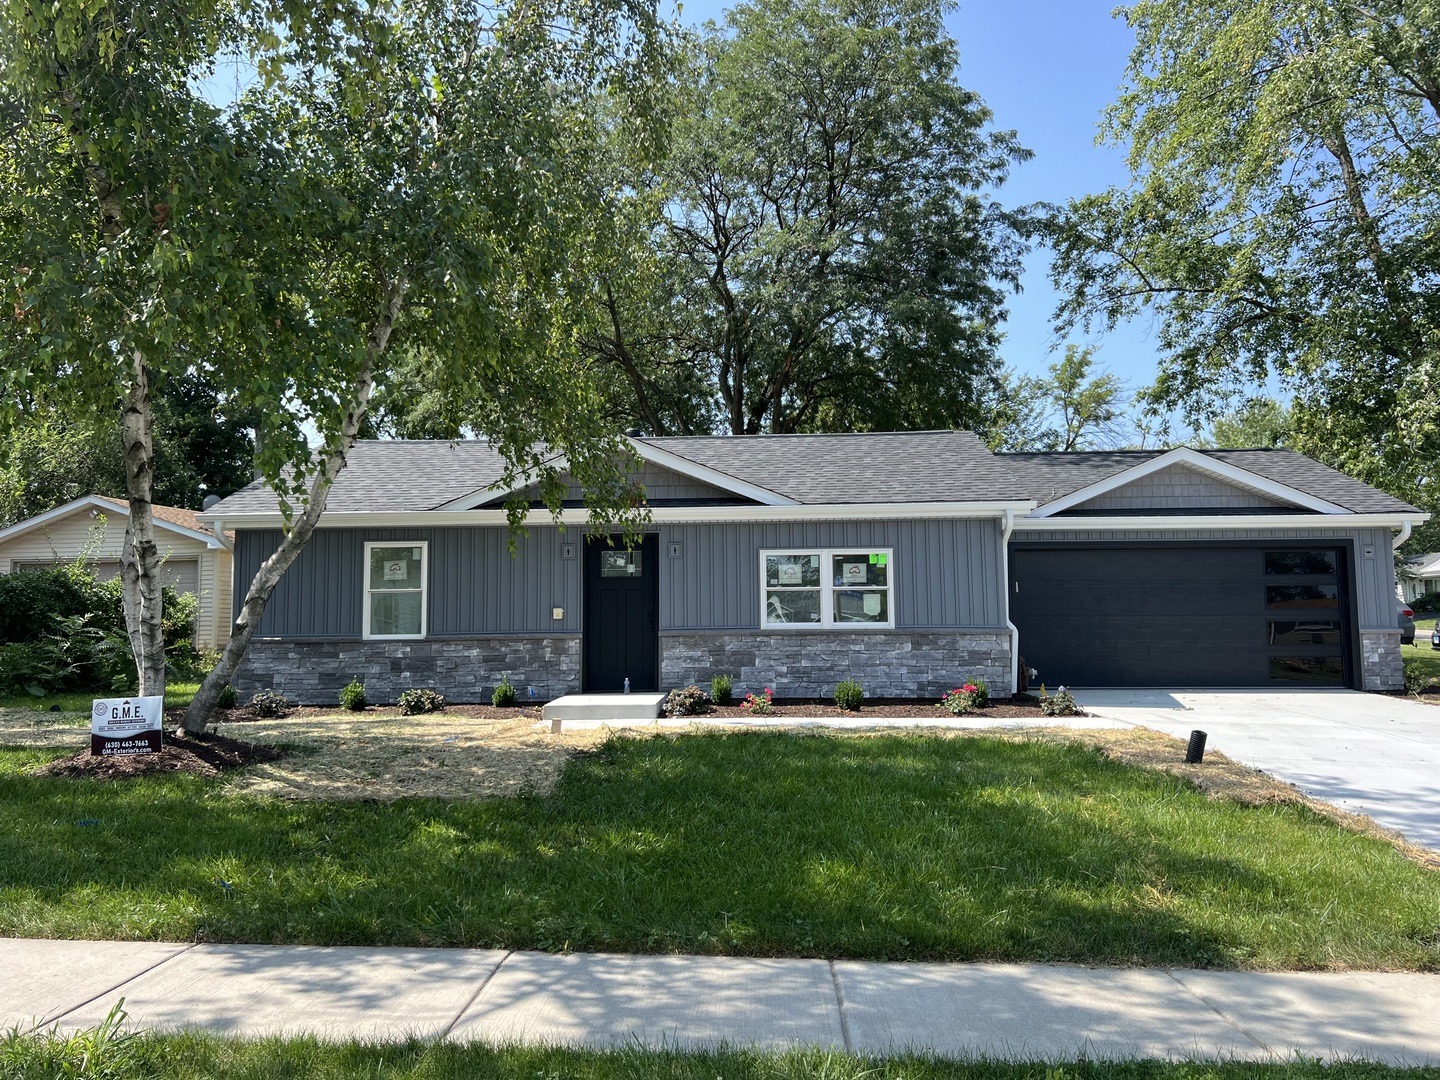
[[890, 664], [1384, 667], [465, 670]]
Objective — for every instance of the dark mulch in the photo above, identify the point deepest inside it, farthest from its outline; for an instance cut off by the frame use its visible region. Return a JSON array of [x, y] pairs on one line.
[[880, 709], [886, 710], [474, 712], [205, 755]]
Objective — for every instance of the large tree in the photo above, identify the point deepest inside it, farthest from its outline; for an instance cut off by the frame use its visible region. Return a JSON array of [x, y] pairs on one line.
[[1283, 220], [1069, 409], [406, 178], [822, 248], [202, 446]]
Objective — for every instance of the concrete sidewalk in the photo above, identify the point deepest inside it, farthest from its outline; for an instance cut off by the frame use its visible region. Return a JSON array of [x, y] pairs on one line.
[[1015, 1011]]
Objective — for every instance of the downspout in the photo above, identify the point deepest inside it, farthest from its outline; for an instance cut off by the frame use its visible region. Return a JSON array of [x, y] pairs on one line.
[[1006, 529], [1405, 528]]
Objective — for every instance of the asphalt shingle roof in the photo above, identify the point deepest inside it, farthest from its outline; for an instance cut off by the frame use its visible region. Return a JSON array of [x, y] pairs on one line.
[[892, 467], [1045, 477]]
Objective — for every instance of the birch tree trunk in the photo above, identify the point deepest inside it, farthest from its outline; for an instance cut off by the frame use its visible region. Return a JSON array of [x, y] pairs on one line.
[[272, 569], [140, 556]]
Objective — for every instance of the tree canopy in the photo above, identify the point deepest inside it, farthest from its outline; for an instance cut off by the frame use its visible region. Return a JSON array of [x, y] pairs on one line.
[[401, 171], [1281, 220], [821, 249]]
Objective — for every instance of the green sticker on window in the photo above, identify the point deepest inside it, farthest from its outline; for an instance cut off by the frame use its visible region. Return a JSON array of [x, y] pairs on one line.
[[882, 559], [874, 559]]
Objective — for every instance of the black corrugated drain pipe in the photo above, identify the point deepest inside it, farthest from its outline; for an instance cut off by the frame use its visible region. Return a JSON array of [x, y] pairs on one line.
[[1195, 752]]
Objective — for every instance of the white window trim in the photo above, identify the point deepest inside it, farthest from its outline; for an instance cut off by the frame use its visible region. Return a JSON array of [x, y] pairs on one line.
[[828, 587], [366, 591]]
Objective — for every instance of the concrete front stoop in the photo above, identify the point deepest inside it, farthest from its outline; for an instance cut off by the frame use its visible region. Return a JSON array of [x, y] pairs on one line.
[[594, 710]]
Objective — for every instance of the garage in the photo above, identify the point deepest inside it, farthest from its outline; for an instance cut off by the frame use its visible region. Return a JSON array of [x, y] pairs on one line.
[[1165, 614]]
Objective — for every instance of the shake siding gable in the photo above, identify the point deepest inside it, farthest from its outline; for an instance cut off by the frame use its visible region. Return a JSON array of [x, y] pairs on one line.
[[1177, 487]]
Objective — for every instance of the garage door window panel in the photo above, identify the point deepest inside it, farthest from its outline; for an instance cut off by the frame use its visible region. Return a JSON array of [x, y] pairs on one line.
[[1308, 669]]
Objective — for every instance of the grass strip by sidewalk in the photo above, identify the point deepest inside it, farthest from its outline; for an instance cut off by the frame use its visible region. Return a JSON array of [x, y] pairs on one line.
[[183, 1057], [893, 846]]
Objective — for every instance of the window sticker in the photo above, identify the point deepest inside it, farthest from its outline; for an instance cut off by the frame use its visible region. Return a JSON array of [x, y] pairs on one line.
[[855, 573]]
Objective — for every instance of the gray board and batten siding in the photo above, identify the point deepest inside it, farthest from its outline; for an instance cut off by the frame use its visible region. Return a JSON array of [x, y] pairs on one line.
[[947, 576]]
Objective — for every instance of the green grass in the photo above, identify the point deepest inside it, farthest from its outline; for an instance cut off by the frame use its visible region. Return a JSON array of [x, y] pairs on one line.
[[904, 846], [1421, 655], [177, 696], [182, 1057]]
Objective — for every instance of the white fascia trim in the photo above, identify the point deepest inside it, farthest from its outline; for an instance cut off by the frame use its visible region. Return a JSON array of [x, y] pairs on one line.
[[1183, 455], [105, 507], [1132, 523], [659, 515], [714, 477]]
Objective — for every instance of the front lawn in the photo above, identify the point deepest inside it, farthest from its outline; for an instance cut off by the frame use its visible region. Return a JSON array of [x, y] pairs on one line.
[[914, 846], [178, 695], [181, 1057], [1423, 657]]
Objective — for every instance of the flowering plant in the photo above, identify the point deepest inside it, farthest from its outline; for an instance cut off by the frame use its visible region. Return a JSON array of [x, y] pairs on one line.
[[760, 706], [961, 700]]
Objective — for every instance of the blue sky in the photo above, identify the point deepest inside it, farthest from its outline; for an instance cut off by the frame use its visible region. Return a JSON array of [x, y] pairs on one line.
[[1047, 69]]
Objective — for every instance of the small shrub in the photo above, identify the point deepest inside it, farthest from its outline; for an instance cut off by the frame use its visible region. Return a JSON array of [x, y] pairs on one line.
[[1414, 677], [228, 698], [504, 695], [722, 689], [1426, 604], [269, 704], [848, 695], [352, 696], [1062, 704], [980, 692], [689, 701], [763, 705], [414, 702]]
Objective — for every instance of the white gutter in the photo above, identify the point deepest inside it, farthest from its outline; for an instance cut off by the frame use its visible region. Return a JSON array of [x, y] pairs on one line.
[[218, 528], [1132, 523], [1406, 527], [660, 515], [1006, 529]]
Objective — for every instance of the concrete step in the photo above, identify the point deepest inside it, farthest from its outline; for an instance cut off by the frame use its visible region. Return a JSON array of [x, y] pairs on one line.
[[593, 709]]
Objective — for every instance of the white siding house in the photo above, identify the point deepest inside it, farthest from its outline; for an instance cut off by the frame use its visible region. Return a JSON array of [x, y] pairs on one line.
[[196, 560]]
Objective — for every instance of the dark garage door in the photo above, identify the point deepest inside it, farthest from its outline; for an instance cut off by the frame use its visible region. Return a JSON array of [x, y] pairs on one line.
[[1182, 616]]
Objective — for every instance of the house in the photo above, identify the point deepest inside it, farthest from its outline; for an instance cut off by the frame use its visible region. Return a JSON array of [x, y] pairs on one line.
[[196, 560], [1420, 576], [909, 561]]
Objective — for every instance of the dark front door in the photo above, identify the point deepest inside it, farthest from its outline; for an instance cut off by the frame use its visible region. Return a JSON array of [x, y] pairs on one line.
[[621, 608], [1166, 615]]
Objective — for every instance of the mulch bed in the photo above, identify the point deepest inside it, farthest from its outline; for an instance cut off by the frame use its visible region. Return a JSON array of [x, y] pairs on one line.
[[204, 755], [879, 709], [882, 710]]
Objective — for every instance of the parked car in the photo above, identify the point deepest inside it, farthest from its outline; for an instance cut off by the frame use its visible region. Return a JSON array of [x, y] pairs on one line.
[[1435, 636], [1407, 625]]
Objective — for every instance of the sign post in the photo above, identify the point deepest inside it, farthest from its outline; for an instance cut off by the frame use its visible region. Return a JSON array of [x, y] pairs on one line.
[[122, 726]]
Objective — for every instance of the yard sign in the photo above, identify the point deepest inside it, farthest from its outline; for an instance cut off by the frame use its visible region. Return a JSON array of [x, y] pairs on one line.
[[120, 726]]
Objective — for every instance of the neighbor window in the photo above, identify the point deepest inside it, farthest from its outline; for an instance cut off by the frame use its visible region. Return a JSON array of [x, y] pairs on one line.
[[834, 587], [395, 590]]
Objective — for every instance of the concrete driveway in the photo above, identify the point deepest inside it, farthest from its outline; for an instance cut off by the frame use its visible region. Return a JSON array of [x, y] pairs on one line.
[[1362, 752]]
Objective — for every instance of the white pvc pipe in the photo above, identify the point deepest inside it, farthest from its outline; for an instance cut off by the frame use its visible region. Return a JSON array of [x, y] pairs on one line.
[[1005, 531]]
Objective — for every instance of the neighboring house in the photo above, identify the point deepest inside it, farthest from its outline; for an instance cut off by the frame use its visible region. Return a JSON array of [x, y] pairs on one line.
[[1420, 576], [195, 560], [909, 561]]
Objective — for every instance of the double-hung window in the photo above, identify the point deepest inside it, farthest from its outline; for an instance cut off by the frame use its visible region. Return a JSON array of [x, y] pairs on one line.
[[395, 589], [837, 588]]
